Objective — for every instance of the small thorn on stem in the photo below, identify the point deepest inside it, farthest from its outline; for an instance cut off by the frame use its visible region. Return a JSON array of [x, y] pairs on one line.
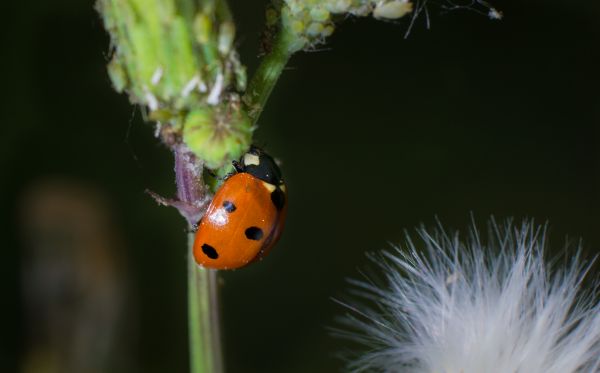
[[193, 196]]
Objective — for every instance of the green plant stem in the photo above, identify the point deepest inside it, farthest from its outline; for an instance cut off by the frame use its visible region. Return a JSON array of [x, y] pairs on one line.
[[267, 74], [203, 317]]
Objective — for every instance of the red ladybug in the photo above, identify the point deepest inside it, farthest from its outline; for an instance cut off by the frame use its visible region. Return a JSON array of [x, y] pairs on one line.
[[246, 216]]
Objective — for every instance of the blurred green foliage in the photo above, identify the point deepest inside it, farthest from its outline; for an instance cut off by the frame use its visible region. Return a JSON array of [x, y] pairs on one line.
[[375, 133], [176, 60]]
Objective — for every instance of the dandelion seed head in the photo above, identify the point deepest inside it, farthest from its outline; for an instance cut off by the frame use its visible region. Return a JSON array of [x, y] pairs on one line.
[[474, 306]]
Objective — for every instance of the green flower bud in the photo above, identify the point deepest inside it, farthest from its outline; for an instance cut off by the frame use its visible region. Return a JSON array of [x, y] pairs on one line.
[[217, 135]]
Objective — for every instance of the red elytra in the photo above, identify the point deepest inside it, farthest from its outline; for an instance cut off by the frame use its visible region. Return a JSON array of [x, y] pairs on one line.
[[246, 216]]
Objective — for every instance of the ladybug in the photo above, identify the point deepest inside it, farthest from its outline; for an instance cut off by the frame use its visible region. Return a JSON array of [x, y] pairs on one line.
[[246, 216]]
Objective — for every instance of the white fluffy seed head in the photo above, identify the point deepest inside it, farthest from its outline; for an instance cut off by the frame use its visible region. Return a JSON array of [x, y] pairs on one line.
[[491, 305]]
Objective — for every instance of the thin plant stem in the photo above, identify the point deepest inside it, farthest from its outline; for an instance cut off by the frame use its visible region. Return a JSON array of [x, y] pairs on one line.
[[267, 74], [203, 313]]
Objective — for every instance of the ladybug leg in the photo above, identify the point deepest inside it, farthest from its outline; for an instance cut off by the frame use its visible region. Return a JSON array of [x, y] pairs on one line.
[[194, 227], [191, 211], [238, 166], [228, 175]]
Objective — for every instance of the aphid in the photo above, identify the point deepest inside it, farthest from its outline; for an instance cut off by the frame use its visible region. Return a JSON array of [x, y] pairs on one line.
[[393, 9]]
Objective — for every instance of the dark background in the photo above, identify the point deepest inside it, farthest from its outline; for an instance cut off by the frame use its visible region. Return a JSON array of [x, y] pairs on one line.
[[376, 134]]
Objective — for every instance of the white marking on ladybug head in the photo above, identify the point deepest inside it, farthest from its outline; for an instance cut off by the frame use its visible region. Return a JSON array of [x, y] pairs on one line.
[[270, 187], [251, 159], [219, 217], [282, 187]]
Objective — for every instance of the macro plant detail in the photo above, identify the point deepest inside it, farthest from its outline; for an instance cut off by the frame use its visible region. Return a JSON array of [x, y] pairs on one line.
[[458, 308], [177, 61], [482, 303], [299, 140]]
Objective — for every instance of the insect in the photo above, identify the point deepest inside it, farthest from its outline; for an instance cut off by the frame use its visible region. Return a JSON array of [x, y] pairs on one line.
[[246, 216]]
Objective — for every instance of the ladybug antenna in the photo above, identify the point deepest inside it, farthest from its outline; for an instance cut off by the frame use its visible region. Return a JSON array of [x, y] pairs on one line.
[[238, 166], [255, 150]]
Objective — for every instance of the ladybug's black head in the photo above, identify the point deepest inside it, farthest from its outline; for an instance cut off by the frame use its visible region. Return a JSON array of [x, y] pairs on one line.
[[260, 165]]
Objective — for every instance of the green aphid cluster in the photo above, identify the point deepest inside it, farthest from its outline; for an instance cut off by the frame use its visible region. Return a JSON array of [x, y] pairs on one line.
[[310, 21], [176, 58], [224, 132]]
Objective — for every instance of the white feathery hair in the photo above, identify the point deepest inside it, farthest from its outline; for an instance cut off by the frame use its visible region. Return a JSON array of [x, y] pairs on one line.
[[480, 306]]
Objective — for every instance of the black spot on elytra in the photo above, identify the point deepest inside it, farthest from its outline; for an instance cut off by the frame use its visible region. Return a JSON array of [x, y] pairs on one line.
[[229, 206], [210, 251], [278, 198], [254, 233]]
